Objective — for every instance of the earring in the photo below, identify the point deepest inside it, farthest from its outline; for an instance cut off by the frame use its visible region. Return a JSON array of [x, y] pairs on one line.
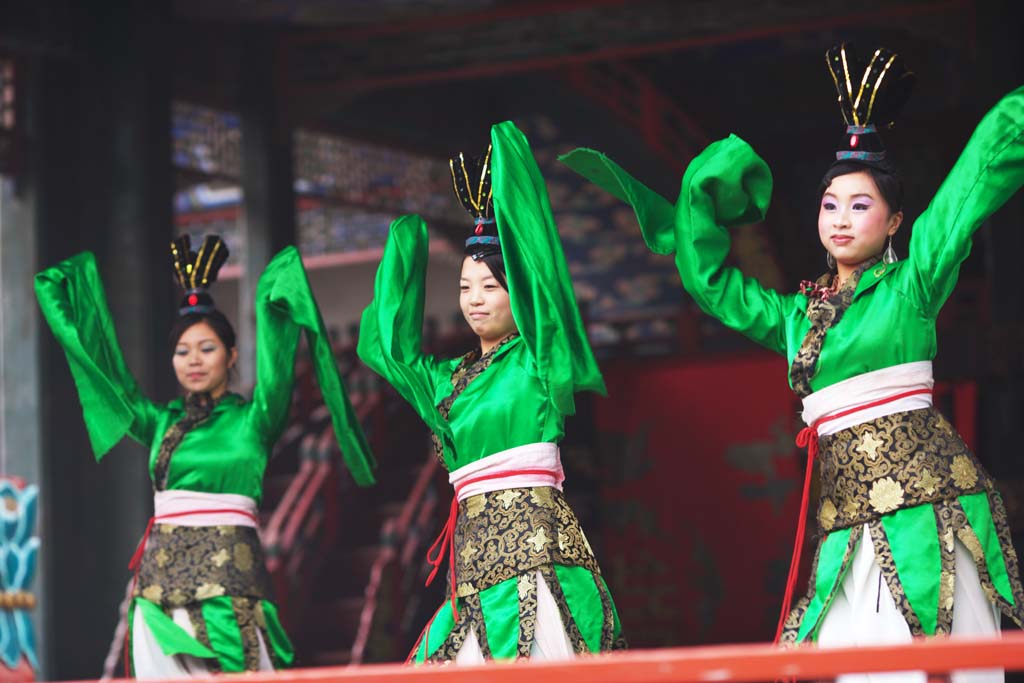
[[830, 260], [889, 256]]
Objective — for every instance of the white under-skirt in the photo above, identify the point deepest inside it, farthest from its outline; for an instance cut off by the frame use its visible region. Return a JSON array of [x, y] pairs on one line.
[[863, 612], [550, 642], [151, 663]]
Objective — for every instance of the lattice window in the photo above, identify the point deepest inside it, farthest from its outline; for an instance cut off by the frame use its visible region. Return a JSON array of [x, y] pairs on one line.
[[7, 115], [347, 191], [373, 177], [206, 140]]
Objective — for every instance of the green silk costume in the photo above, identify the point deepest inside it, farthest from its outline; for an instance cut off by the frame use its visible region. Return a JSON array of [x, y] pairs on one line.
[[526, 388], [228, 451], [890, 321]]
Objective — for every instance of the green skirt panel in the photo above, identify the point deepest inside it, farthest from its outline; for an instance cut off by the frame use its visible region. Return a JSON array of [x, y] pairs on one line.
[[914, 547]]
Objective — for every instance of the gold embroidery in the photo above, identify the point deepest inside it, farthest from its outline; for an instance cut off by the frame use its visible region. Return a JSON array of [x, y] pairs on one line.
[[824, 315], [920, 461], [964, 473], [828, 514], [221, 557], [948, 540], [508, 497], [542, 496], [869, 445], [526, 584], [886, 495], [509, 542], [243, 557], [181, 560], [177, 598], [209, 590], [946, 584], [928, 482], [468, 552], [475, 505], [153, 593]]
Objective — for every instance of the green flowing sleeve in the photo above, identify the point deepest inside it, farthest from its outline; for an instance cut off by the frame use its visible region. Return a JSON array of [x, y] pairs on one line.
[[540, 289], [75, 307], [656, 215], [285, 307], [988, 172], [727, 185], [391, 329]]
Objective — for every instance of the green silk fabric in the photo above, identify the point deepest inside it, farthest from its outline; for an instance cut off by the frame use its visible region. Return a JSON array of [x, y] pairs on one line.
[[892, 318], [524, 396], [500, 607], [227, 452], [222, 629], [240, 432]]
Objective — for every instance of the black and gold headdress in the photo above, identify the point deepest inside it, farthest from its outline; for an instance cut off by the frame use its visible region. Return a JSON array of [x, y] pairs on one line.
[[471, 178], [197, 270], [872, 91]]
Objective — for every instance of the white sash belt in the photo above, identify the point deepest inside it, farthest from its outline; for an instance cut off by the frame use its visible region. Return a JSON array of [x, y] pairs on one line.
[[867, 388], [189, 508], [540, 457]]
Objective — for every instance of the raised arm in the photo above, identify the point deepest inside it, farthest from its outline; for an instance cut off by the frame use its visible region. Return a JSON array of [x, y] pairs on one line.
[[285, 307], [727, 185], [391, 330], [540, 289], [988, 172], [75, 307]]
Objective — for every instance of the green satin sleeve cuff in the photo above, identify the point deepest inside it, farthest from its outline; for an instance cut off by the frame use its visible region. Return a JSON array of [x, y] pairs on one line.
[[284, 307], [725, 186], [391, 329], [989, 171], [540, 289], [655, 214], [74, 305]]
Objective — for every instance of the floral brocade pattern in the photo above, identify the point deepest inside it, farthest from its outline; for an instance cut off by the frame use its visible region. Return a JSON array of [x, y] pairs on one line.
[[184, 565], [952, 525], [891, 463], [471, 619], [504, 534], [197, 408], [517, 534], [823, 314]]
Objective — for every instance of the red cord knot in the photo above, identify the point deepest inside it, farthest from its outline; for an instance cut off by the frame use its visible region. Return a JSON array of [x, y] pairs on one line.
[[808, 438]]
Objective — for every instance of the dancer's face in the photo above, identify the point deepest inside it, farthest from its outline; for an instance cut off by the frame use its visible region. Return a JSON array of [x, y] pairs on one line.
[[854, 221], [201, 361], [485, 304]]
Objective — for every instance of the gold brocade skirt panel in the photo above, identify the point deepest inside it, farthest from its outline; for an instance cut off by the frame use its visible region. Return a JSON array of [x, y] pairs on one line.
[[184, 566], [504, 534], [504, 542], [891, 482], [893, 462]]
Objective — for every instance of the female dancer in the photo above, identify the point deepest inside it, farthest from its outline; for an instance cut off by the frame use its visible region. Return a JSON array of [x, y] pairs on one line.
[[914, 535], [522, 577], [201, 600]]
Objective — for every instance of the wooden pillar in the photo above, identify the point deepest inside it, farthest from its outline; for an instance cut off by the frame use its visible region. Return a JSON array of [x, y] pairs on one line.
[[267, 182]]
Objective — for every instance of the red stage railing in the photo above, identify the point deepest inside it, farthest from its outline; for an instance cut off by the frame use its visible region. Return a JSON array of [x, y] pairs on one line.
[[719, 663]]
